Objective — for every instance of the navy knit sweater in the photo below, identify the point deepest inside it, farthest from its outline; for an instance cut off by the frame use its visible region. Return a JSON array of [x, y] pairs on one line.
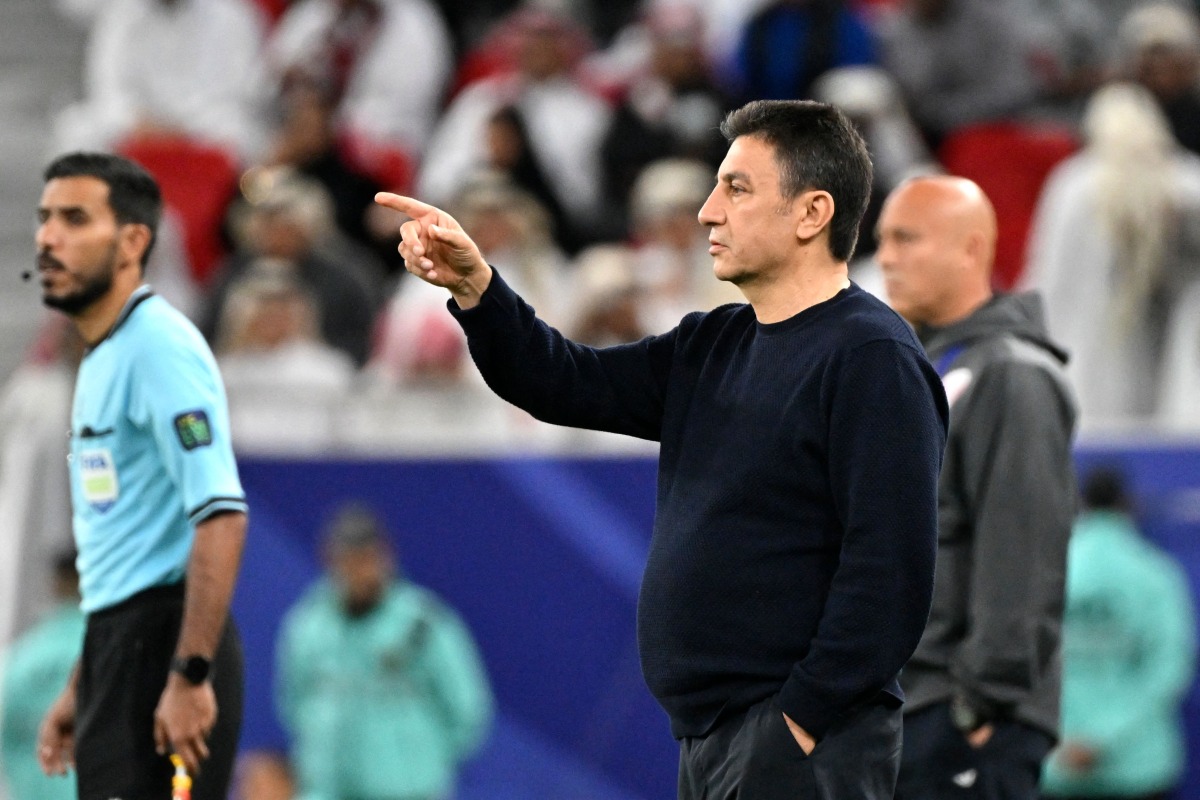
[[796, 520]]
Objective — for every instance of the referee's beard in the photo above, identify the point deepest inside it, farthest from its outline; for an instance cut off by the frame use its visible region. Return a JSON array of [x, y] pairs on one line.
[[88, 289]]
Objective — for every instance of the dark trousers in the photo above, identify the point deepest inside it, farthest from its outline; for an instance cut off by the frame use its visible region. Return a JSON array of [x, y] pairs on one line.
[[940, 764], [753, 756], [127, 651]]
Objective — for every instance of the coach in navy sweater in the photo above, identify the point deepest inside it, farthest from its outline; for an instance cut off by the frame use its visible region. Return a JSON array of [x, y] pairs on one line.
[[791, 567]]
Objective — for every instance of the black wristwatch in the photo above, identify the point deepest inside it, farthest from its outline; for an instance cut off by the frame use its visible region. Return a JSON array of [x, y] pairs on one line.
[[194, 669]]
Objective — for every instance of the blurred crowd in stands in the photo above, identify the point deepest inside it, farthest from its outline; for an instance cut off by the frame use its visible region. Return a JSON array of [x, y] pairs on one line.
[[576, 140]]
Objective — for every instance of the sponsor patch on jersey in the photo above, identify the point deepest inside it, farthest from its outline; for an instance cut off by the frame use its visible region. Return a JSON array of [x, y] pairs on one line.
[[193, 430], [98, 474]]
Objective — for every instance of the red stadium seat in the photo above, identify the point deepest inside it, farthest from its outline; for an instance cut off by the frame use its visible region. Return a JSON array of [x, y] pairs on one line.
[[198, 181], [389, 165], [1010, 161], [272, 9]]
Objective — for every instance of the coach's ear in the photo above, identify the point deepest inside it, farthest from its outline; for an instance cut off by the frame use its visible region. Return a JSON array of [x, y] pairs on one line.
[[813, 211]]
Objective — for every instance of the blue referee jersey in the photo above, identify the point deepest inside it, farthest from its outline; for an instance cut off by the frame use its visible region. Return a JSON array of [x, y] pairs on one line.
[[150, 452]]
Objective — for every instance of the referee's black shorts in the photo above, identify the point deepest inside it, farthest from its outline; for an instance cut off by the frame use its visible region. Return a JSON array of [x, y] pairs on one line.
[[127, 653]]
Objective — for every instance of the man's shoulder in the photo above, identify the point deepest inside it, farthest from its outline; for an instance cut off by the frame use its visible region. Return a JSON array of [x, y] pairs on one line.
[[1010, 357], [318, 599], [864, 319], [156, 328]]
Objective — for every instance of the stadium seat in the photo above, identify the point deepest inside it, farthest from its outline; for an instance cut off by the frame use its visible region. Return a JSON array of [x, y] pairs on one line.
[[198, 181], [389, 165], [1010, 161]]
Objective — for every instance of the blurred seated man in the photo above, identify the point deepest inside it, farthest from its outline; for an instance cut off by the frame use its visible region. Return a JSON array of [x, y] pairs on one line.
[[36, 666], [670, 258], [608, 309], [268, 338], [566, 120], [380, 686], [671, 109], [289, 218], [286, 385], [385, 64], [1160, 49], [789, 44], [1129, 656], [180, 68], [959, 62], [417, 341], [306, 141]]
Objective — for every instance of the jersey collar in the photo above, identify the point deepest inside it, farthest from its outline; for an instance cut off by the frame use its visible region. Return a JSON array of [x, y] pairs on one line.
[[143, 292]]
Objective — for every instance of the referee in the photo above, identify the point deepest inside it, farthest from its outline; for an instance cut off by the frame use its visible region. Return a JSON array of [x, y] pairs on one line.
[[159, 514]]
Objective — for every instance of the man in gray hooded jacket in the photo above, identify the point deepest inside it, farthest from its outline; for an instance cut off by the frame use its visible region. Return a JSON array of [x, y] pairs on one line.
[[983, 686]]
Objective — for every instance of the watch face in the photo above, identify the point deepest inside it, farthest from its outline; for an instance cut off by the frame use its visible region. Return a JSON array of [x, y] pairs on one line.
[[194, 668]]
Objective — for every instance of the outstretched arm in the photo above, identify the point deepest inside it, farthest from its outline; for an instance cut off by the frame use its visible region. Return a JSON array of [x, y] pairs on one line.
[[437, 250]]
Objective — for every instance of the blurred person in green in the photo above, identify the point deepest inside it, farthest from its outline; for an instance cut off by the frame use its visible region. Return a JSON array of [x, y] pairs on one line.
[[1128, 657], [380, 685], [35, 670]]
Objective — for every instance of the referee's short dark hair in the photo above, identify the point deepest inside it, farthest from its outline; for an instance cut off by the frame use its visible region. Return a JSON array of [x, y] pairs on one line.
[[133, 194], [816, 147]]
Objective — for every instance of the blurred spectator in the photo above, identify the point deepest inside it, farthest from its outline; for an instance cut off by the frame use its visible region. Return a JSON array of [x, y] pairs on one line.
[[384, 63], [37, 665], [470, 20], [1116, 237], [607, 308], [286, 387], [724, 21], [262, 775], [35, 492], [511, 153], [306, 141], [419, 342], [268, 338], [671, 260], [791, 43], [290, 218], [1068, 51], [547, 94], [380, 685], [1160, 49], [169, 68], [958, 62], [1129, 656], [671, 110]]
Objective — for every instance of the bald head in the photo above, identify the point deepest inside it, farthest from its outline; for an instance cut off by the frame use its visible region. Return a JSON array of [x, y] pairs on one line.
[[937, 239]]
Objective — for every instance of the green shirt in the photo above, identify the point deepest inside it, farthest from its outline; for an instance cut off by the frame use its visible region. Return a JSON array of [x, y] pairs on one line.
[[384, 705], [35, 672], [1129, 653]]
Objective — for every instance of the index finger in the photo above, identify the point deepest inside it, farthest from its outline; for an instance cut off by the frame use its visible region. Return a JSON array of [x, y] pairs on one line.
[[405, 205]]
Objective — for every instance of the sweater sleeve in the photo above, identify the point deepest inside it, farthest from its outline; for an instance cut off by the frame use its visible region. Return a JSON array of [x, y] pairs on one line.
[[533, 366], [1017, 480], [887, 429]]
